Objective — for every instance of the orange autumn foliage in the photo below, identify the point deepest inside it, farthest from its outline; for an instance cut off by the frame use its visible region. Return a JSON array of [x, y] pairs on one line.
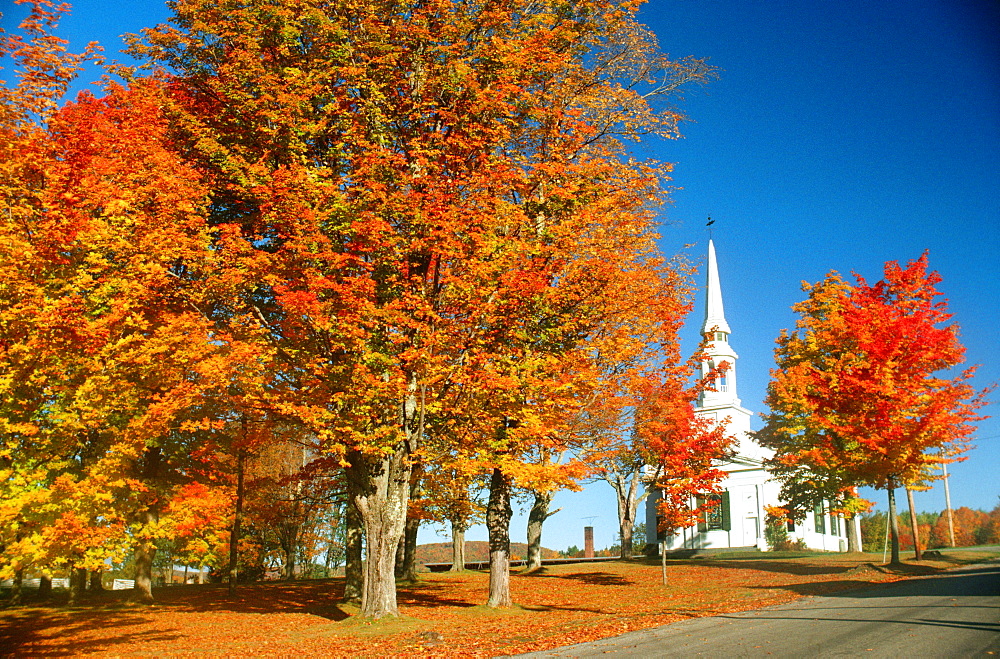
[[856, 398], [362, 223]]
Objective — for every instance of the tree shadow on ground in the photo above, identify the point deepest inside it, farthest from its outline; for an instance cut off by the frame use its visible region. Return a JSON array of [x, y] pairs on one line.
[[428, 595], [556, 607], [60, 633], [984, 581], [784, 567], [812, 569], [590, 578], [321, 597]]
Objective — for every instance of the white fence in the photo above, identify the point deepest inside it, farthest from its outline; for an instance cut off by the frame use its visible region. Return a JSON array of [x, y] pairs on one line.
[[60, 582]]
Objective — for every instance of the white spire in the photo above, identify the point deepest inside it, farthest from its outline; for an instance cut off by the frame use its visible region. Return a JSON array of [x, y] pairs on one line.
[[715, 316], [723, 400]]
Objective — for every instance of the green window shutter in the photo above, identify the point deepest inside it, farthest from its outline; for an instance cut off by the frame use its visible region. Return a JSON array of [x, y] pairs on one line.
[[818, 520], [726, 519]]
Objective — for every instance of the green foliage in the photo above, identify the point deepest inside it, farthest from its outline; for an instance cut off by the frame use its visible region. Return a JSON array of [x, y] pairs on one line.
[[639, 539], [873, 530], [775, 533], [571, 552]]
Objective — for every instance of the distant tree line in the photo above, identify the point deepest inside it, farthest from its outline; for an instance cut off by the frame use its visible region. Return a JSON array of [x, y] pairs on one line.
[[971, 528]]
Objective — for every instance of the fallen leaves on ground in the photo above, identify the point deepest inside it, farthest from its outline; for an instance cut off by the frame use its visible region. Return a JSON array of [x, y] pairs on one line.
[[441, 614]]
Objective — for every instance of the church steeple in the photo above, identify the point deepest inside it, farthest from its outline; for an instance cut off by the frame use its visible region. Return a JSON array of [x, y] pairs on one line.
[[715, 315], [723, 402], [718, 350]]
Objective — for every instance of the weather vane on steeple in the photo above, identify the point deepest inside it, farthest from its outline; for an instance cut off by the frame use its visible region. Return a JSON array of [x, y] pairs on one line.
[[709, 225]]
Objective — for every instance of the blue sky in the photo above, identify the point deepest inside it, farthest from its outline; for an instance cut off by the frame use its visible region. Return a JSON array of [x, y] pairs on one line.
[[839, 135]]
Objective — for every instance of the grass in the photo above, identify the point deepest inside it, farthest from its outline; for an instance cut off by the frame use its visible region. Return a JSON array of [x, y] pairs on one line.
[[443, 613]]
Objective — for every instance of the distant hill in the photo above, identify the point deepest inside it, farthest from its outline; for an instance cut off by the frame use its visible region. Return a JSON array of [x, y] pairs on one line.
[[475, 550]]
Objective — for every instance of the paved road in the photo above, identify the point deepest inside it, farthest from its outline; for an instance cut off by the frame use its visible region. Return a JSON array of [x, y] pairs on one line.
[[956, 614]]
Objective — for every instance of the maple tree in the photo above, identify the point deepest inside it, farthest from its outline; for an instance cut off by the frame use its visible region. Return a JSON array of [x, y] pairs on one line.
[[400, 195], [685, 448], [199, 517], [855, 399], [347, 222], [968, 525], [106, 351], [46, 70]]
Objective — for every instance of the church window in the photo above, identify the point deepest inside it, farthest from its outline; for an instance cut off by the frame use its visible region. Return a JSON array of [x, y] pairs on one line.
[[721, 336], [819, 519], [834, 523], [715, 517], [791, 526]]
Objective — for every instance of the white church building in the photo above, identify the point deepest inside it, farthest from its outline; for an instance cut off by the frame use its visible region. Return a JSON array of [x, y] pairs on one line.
[[738, 519]]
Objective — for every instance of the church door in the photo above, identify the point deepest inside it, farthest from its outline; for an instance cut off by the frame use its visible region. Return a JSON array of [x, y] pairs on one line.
[[748, 510]]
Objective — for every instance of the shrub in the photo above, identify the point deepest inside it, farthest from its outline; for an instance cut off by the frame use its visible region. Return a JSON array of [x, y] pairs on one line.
[[775, 533], [790, 545]]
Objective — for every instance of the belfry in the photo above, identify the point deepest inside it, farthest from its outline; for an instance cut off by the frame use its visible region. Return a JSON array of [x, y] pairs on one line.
[[739, 516]]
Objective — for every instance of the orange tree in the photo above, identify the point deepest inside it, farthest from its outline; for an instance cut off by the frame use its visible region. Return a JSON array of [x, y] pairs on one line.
[[104, 346], [685, 449], [405, 193], [856, 399], [117, 354]]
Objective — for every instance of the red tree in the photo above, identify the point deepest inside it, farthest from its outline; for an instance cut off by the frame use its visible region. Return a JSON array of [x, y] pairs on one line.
[[856, 399]]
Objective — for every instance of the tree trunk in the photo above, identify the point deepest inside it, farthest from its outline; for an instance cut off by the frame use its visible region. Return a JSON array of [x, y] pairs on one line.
[[77, 584], [663, 562], [626, 537], [381, 490], [290, 547], [406, 560], [328, 554], [353, 540], [407, 569], [17, 585], [201, 573], [145, 551], [168, 568], [536, 517], [96, 582], [457, 548], [44, 586], [234, 536], [382, 495], [626, 486], [498, 514], [400, 551], [913, 525], [853, 537], [893, 524]]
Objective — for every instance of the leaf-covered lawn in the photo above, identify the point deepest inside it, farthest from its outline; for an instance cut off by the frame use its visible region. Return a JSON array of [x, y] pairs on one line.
[[442, 614]]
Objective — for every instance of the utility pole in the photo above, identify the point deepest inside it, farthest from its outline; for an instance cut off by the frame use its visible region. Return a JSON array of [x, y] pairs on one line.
[[947, 503]]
